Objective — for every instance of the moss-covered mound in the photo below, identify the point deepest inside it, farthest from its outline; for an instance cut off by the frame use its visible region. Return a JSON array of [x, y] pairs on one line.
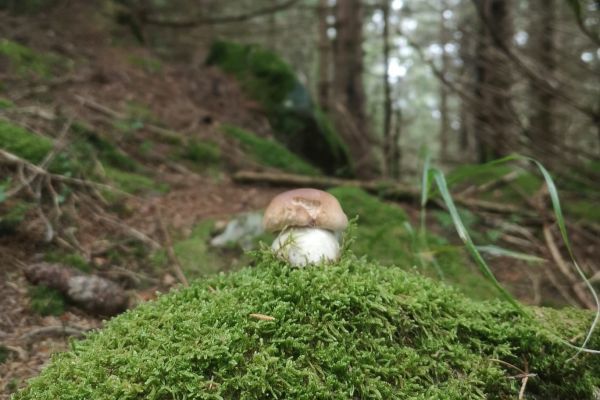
[[350, 330], [297, 122]]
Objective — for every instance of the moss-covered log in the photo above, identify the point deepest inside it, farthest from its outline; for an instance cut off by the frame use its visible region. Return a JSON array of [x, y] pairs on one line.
[[350, 330]]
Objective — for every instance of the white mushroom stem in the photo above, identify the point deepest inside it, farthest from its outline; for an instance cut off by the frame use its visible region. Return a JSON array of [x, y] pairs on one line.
[[303, 246]]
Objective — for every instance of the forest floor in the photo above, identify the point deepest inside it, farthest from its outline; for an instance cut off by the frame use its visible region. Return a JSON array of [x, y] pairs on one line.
[[145, 108]]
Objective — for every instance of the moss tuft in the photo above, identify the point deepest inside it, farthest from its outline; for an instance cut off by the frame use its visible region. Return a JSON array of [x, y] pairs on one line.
[[23, 143], [133, 183], [29, 63], [269, 152], [46, 301], [202, 153], [349, 330], [71, 259], [6, 104]]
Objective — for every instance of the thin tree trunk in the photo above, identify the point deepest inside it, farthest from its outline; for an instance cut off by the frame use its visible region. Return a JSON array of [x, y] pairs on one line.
[[494, 125], [387, 102], [350, 100], [542, 49], [444, 120], [324, 47]]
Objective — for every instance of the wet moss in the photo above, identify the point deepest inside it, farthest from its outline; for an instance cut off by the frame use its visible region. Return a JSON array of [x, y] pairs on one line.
[[132, 182], [28, 63]]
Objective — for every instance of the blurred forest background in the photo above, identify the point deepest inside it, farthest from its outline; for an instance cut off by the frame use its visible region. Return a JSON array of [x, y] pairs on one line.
[[139, 140]]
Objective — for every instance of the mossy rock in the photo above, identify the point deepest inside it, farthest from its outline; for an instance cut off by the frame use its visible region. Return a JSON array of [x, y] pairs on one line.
[[269, 152], [296, 121], [29, 63], [354, 329]]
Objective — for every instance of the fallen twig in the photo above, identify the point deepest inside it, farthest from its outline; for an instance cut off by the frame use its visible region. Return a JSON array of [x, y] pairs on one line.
[[55, 330]]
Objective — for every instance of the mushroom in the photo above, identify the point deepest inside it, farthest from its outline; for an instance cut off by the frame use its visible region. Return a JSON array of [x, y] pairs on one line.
[[309, 222]]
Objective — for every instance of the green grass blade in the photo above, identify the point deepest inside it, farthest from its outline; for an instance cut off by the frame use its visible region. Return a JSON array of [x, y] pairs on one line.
[[468, 242]]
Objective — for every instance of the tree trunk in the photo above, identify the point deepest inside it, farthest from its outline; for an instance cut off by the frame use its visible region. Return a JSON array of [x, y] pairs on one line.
[[494, 124], [444, 120], [387, 102], [324, 47], [350, 100], [542, 49]]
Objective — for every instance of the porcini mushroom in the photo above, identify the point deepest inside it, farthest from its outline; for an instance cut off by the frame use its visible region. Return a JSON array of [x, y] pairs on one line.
[[309, 222]]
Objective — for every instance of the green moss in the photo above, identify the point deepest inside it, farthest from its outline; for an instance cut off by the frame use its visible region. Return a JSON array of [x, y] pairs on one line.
[[6, 104], [23, 143], [526, 184], [201, 153], [28, 63], [385, 235], [349, 330], [261, 72], [297, 122], [583, 209], [74, 260], [34, 148], [133, 183], [196, 257], [90, 141], [269, 152], [46, 301]]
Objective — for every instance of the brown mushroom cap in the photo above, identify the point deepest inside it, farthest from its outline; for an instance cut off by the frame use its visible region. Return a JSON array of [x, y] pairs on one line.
[[304, 208]]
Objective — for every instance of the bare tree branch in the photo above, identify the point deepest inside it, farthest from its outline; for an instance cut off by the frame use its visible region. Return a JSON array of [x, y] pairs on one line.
[[190, 23]]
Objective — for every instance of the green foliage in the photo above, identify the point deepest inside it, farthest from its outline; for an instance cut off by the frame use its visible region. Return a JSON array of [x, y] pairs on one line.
[[29, 63], [269, 152], [349, 330], [297, 123], [202, 153], [133, 183], [74, 260], [46, 301]]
